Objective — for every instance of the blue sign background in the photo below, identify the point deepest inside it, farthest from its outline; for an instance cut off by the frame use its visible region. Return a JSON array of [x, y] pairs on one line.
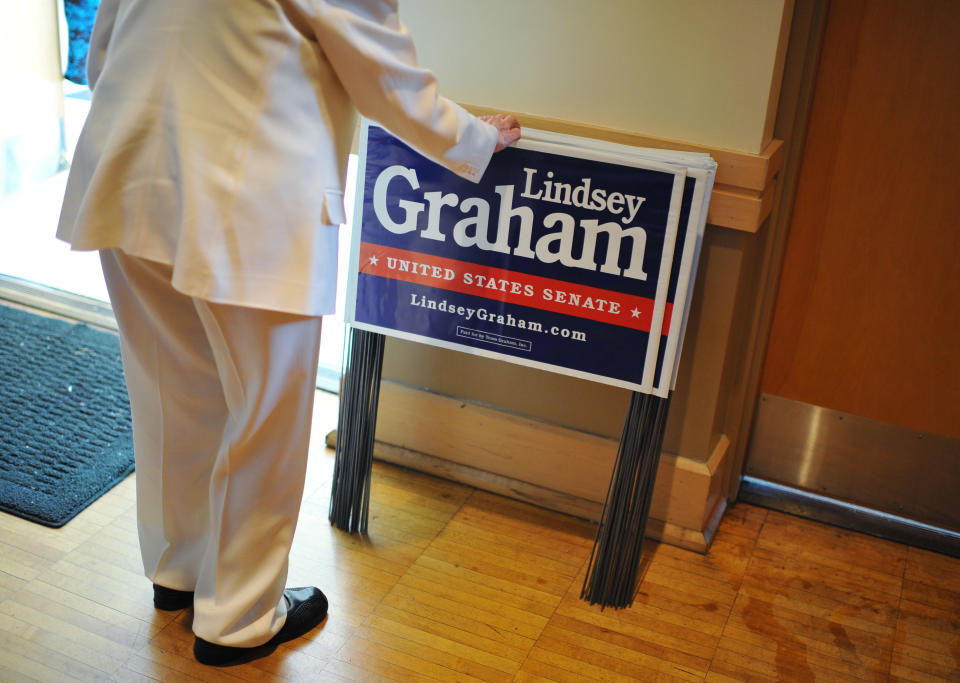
[[506, 168], [612, 353]]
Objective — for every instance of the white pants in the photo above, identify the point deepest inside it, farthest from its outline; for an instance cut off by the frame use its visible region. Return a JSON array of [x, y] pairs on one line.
[[222, 401]]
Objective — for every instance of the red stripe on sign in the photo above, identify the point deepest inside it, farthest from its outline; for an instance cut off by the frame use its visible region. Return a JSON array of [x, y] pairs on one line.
[[499, 284]]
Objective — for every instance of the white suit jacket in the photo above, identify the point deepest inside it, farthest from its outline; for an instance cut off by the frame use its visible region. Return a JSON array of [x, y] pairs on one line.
[[219, 131]]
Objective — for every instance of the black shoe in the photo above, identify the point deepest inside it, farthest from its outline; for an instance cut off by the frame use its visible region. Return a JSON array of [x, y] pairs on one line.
[[169, 599], [307, 607]]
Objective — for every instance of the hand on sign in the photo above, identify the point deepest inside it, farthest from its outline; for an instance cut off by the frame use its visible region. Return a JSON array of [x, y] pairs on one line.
[[507, 127]]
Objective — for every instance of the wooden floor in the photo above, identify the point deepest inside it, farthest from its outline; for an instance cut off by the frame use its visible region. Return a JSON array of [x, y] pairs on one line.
[[457, 584]]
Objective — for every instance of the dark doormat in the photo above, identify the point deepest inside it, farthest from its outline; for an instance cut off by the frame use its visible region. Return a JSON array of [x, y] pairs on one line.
[[65, 434]]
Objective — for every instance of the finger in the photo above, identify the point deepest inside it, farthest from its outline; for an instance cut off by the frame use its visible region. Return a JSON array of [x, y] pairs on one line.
[[506, 138]]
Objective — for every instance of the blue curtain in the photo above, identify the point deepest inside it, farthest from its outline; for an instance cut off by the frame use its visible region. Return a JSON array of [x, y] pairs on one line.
[[80, 15]]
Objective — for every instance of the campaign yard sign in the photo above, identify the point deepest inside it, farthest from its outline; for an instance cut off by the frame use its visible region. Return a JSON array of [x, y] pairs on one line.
[[570, 255]]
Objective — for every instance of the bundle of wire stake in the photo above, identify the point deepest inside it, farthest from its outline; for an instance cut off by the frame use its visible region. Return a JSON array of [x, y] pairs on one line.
[[615, 559], [356, 424]]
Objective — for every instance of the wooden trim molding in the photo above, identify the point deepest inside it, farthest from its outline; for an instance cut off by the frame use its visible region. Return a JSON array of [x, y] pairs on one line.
[[450, 438], [743, 197], [741, 209]]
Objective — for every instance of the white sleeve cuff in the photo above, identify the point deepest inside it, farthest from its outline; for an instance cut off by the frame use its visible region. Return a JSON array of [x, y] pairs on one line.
[[470, 157]]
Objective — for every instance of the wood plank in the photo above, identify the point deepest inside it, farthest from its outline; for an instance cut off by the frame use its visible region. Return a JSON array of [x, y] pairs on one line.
[[526, 677], [833, 647], [128, 675], [743, 520], [337, 670], [726, 560], [878, 586], [712, 593], [929, 628], [378, 663], [508, 657], [349, 570], [628, 648], [291, 662], [598, 656], [933, 569], [87, 649], [513, 553], [135, 602], [590, 665], [923, 672], [64, 538], [472, 600], [69, 659], [449, 614], [938, 665], [462, 581], [538, 670], [496, 622], [730, 666], [450, 492], [16, 667], [374, 644], [157, 665], [489, 532], [41, 545], [9, 584], [533, 519], [806, 581], [933, 596], [100, 545], [20, 563], [808, 609], [715, 677], [488, 663], [877, 559], [928, 631], [666, 616], [661, 629], [490, 563], [435, 508], [784, 664], [103, 568], [87, 614], [370, 553]]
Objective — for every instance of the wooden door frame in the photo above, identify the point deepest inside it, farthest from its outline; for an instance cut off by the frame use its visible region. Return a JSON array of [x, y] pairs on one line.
[[793, 116]]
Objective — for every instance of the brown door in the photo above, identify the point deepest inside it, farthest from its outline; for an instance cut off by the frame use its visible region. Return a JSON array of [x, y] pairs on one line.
[[861, 385]]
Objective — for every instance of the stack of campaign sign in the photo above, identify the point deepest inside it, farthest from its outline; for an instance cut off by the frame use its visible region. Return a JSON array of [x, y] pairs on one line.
[[571, 254]]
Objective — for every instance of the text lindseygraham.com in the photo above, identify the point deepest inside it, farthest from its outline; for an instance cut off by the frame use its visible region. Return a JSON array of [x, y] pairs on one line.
[[485, 315]]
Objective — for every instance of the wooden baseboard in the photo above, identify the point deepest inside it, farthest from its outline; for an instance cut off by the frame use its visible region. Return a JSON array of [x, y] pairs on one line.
[[547, 465]]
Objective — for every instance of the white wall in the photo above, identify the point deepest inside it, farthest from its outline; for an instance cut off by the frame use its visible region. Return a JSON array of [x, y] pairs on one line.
[[702, 71], [31, 92]]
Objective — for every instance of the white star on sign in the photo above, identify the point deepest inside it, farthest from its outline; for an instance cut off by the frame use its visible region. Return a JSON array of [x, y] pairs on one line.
[[373, 260], [635, 313]]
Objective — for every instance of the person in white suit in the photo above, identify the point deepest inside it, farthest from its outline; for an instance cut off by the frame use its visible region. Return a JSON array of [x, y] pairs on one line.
[[210, 176]]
